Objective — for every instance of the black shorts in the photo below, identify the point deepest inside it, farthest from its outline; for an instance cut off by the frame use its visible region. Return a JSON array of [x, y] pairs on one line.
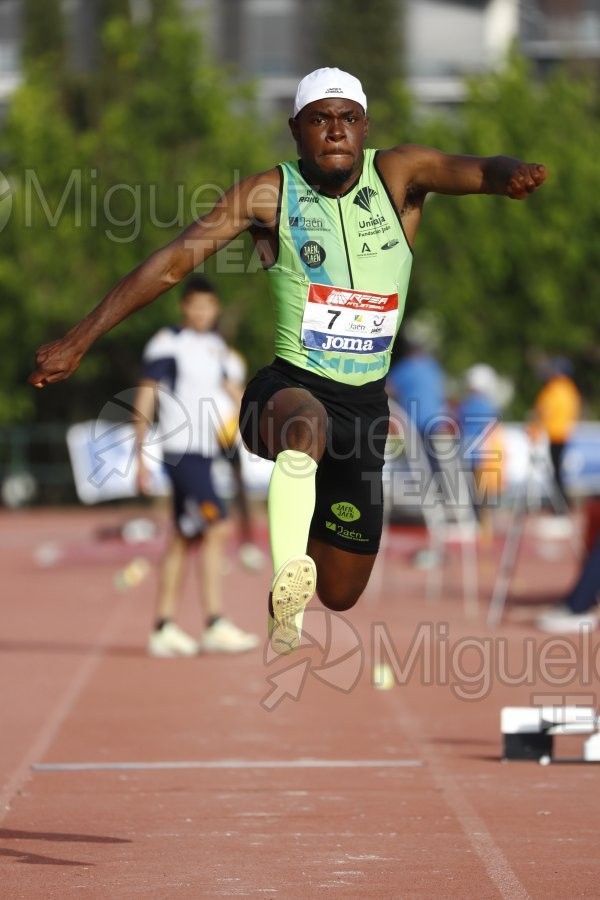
[[349, 506], [196, 504]]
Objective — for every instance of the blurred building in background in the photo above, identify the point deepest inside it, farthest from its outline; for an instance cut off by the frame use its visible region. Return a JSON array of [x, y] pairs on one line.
[[274, 41], [10, 44]]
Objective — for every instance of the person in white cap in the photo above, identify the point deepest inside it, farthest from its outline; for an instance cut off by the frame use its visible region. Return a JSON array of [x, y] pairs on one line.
[[335, 231]]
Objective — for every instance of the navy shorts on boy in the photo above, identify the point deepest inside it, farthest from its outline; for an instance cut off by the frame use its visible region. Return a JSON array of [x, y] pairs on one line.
[[196, 504]]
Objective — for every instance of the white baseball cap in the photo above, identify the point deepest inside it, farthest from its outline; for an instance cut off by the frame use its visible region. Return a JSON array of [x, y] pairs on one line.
[[482, 378], [325, 83]]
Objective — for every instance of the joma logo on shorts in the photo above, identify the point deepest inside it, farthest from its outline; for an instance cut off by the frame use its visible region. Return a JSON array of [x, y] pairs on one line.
[[347, 343]]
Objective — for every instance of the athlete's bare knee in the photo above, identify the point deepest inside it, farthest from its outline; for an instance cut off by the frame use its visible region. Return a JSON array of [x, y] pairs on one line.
[[294, 420], [306, 430]]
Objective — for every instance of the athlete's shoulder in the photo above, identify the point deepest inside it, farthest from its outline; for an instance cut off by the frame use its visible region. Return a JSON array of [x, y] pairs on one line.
[[401, 168], [258, 195], [407, 157], [268, 179], [408, 152]]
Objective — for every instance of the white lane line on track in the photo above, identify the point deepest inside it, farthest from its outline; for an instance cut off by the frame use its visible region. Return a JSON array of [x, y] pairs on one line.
[[229, 764], [59, 713], [493, 859]]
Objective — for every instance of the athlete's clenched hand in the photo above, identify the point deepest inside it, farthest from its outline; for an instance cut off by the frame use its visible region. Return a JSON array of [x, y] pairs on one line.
[[55, 361], [525, 179]]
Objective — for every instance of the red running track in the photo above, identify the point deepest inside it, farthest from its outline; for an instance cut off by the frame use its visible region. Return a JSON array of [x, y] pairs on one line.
[[124, 776]]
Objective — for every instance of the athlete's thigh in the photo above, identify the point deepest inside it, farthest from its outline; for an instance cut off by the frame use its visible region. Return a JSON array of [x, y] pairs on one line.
[[278, 415], [349, 505], [347, 523], [294, 420], [257, 397]]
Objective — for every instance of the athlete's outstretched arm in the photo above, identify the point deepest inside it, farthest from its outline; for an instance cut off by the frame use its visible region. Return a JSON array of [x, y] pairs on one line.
[[426, 170], [252, 201]]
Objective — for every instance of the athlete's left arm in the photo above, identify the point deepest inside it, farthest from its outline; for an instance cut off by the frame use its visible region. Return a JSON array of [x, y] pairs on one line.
[[423, 170]]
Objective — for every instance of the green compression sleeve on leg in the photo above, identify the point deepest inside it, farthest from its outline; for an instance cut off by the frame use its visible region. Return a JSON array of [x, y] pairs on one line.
[[291, 505]]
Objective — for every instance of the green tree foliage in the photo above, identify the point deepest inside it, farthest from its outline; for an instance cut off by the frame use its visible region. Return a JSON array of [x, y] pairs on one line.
[[365, 39], [154, 137], [509, 282], [43, 31]]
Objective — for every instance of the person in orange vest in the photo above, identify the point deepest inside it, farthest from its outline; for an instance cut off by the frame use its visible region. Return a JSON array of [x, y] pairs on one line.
[[556, 412]]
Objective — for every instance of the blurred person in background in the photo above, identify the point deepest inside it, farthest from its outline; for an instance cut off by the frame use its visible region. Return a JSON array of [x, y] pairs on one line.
[[334, 228], [190, 363], [478, 419], [556, 412], [578, 609], [230, 439], [417, 382]]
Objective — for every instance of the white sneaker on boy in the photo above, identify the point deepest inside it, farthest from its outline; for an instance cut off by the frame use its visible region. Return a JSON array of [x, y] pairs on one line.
[[225, 637], [170, 641]]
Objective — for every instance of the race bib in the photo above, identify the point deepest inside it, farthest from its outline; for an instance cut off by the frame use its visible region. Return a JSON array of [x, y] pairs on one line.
[[346, 321]]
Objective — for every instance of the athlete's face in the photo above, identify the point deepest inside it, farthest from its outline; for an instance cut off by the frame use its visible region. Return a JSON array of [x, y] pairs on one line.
[[200, 311], [330, 135]]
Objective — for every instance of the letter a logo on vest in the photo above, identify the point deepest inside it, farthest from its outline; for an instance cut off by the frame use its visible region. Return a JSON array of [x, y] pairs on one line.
[[363, 198]]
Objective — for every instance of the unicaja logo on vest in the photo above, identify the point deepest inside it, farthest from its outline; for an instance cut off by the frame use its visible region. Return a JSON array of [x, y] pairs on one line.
[[363, 198]]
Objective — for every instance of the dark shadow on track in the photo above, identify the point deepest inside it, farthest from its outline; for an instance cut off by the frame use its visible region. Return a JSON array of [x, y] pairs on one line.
[[37, 859], [17, 835]]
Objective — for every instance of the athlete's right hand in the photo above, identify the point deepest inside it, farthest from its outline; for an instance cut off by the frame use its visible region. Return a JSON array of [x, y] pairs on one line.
[[524, 179], [55, 361]]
